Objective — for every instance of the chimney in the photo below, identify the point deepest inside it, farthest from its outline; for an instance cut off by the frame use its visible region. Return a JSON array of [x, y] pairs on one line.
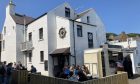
[[10, 9]]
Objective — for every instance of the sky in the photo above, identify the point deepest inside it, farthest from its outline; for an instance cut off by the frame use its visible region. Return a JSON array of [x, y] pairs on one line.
[[117, 15]]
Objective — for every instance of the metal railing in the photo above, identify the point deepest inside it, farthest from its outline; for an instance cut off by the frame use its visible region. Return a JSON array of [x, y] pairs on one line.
[[25, 46]]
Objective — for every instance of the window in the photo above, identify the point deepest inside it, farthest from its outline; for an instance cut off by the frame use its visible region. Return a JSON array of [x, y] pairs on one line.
[[46, 65], [88, 19], [3, 45], [67, 12], [41, 56], [4, 30], [41, 33], [30, 36], [30, 56], [79, 31], [90, 40]]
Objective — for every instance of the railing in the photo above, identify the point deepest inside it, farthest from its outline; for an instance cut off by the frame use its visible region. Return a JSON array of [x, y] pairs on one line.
[[21, 77], [25, 46]]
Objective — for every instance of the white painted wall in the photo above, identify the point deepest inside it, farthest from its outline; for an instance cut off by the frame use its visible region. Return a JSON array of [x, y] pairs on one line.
[[19, 39], [39, 45], [82, 42], [9, 53], [95, 20], [126, 44], [52, 30], [63, 23], [60, 10]]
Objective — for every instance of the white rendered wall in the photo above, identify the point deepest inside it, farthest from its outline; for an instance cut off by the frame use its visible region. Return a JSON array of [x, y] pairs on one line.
[[126, 44], [81, 43], [95, 20], [9, 53], [51, 21], [19, 40], [60, 10], [39, 45], [52, 30], [63, 23]]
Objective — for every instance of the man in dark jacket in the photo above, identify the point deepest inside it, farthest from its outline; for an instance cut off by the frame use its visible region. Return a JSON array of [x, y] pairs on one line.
[[33, 69], [128, 66]]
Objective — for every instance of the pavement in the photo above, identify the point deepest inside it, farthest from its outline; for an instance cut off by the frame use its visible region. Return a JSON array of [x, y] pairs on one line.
[[135, 80]]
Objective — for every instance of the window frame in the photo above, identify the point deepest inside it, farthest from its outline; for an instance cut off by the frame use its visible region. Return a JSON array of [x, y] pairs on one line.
[[30, 56], [79, 31], [41, 56], [88, 19], [67, 12], [90, 41], [30, 36], [41, 34]]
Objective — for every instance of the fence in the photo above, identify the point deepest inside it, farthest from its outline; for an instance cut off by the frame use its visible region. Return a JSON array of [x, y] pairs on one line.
[[114, 79], [21, 77], [121, 78], [38, 79]]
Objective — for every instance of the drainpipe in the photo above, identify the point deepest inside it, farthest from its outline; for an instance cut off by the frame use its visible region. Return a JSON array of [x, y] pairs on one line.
[[25, 53], [74, 42], [24, 29]]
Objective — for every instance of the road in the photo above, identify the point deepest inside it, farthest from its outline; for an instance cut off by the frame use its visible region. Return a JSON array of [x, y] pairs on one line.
[[135, 80]]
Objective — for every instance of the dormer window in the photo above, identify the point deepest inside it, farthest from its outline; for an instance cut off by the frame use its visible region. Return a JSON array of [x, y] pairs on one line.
[[88, 19], [67, 12]]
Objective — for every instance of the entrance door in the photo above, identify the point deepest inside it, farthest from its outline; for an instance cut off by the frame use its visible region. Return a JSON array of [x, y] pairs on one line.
[[61, 62]]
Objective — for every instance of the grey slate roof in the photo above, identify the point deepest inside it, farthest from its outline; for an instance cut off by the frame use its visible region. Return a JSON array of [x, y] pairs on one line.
[[19, 19]]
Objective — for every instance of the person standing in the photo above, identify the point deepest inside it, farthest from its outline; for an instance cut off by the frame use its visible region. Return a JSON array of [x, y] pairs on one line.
[[4, 72], [128, 66], [1, 72], [9, 73]]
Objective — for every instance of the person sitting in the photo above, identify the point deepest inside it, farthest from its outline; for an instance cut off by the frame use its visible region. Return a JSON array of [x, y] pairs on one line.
[[82, 76], [66, 71], [72, 77], [85, 70], [33, 69]]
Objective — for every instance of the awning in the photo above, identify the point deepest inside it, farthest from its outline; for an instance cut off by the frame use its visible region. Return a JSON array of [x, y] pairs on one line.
[[61, 51]]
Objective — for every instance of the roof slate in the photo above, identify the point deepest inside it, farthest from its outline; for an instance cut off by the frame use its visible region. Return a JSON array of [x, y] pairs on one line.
[[19, 19]]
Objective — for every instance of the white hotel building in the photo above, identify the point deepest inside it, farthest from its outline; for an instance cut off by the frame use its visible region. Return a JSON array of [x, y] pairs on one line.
[[54, 39]]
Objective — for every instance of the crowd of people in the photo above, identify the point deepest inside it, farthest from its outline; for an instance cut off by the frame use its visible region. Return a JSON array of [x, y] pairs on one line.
[[76, 73], [7, 69]]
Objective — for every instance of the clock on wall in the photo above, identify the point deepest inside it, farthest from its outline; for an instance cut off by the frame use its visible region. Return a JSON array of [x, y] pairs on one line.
[[62, 33]]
